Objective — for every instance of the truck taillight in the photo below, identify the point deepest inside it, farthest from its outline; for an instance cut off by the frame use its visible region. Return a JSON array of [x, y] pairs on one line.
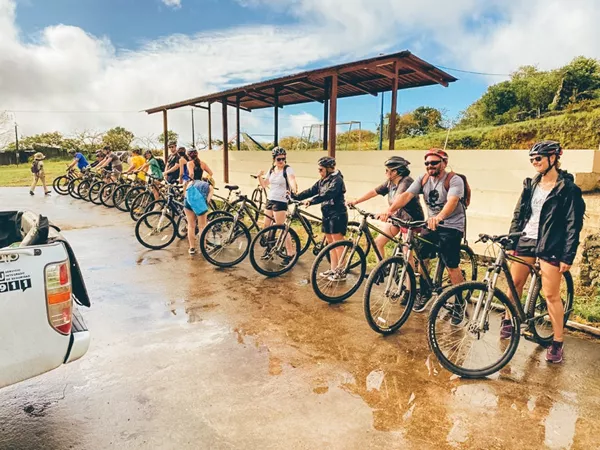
[[58, 297]]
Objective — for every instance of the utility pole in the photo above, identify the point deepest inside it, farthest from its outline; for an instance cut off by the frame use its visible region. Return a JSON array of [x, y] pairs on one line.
[[17, 143], [193, 132], [381, 122]]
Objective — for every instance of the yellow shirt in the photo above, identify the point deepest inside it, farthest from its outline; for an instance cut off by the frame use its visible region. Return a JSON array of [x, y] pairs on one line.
[[138, 161]]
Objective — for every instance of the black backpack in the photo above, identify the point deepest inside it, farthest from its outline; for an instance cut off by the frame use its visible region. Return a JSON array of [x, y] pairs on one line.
[[161, 164], [35, 167]]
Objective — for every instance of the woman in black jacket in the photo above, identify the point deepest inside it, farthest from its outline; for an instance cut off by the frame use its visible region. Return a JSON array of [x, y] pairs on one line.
[[329, 191], [550, 215]]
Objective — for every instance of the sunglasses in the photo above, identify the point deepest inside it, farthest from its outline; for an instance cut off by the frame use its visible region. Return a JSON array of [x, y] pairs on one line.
[[280, 159], [321, 169], [432, 163], [536, 159]]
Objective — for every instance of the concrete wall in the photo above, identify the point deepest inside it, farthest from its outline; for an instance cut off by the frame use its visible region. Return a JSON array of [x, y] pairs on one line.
[[496, 177]]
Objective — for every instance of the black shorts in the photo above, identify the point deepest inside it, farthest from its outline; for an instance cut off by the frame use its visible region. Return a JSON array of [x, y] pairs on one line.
[[448, 240], [335, 224], [526, 249], [273, 205]]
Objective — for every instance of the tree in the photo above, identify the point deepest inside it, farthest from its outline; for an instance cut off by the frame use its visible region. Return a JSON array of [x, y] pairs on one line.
[[579, 81], [7, 132], [88, 140], [147, 142], [172, 137], [119, 139], [428, 119], [498, 102]]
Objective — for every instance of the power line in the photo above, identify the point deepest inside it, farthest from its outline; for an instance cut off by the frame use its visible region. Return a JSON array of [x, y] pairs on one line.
[[473, 72]]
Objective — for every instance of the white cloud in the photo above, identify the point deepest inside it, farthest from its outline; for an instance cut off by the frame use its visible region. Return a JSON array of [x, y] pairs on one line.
[[172, 3], [67, 69]]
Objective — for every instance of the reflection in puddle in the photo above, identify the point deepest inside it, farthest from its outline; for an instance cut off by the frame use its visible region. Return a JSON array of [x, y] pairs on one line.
[[560, 426], [477, 395], [458, 433], [374, 380]]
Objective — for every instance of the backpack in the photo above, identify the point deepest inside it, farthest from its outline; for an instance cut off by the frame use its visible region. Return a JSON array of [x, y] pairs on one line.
[[161, 164], [466, 199], [285, 175], [580, 208], [35, 167]]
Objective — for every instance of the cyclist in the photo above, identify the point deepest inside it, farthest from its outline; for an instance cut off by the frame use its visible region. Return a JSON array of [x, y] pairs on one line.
[[172, 171], [442, 205], [151, 165], [99, 158], [78, 159], [329, 191], [196, 169], [397, 182], [550, 214], [111, 162], [184, 176], [137, 161], [282, 180]]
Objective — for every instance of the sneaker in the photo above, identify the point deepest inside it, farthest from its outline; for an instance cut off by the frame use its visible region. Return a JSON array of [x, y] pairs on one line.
[[192, 251], [326, 274], [47, 193], [506, 329], [337, 277], [554, 354], [31, 193], [265, 255], [421, 302], [285, 261]]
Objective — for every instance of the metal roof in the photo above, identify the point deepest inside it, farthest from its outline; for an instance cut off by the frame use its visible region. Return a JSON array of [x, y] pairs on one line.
[[369, 76]]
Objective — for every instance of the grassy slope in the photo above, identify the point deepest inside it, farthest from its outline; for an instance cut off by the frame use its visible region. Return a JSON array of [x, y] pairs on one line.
[[21, 175]]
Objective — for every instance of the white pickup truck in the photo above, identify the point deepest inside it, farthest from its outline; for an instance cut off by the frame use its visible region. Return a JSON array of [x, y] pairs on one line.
[[40, 287]]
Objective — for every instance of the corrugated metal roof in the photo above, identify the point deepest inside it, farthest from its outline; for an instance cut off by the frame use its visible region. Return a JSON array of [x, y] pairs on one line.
[[369, 76]]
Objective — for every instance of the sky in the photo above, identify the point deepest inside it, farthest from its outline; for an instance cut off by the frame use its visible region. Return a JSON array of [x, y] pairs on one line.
[[76, 65]]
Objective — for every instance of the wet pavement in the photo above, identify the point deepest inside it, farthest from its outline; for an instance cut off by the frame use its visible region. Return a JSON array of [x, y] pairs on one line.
[[184, 355]]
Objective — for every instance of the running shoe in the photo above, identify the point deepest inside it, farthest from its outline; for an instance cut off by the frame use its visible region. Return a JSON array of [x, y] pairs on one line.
[[506, 329], [192, 251], [554, 354], [326, 274]]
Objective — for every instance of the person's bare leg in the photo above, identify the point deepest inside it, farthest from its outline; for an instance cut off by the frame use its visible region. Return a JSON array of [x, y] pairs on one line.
[[43, 178], [551, 278], [191, 224]]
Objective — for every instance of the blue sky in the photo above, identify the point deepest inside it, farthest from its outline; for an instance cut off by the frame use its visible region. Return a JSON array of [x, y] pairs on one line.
[[94, 64]]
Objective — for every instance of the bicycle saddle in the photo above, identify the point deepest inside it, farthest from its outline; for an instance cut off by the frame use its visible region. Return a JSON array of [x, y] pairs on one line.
[[232, 187]]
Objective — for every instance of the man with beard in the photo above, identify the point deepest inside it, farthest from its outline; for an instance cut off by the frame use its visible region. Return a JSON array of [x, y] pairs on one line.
[[443, 204]]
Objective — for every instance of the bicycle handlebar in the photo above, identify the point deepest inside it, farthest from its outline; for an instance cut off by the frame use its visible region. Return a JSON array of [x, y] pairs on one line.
[[502, 239], [362, 212]]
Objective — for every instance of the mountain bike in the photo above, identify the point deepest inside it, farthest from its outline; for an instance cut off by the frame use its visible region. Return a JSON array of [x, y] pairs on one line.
[[137, 206], [158, 229], [269, 248], [95, 188], [88, 177], [259, 194], [473, 348], [60, 183], [126, 183], [225, 241], [392, 285], [225, 206]]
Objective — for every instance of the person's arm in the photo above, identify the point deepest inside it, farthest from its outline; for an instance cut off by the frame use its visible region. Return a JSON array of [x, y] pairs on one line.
[[334, 190], [572, 228], [264, 182], [190, 169], [369, 195], [310, 192], [70, 166], [293, 183], [205, 168]]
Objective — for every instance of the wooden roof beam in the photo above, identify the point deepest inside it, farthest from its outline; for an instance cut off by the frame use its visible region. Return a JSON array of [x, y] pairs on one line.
[[357, 86], [312, 83], [302, 93], [423, 71], [260, 97]]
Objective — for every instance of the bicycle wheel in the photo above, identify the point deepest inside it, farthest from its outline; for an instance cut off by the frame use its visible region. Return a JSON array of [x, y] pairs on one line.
[[182, 226], [157, 205], [257, 197], [106, 195], [216, 214], [304, 234], [95, 192], [224, 242], [139, 204], [389, 295], [119, 195], [467, 265], [155, 230], [72, 188], [456, 338], [253, 209], [541, 327], [131, 195], [60, 185], [336, 284], [274, 250], [83, 190]]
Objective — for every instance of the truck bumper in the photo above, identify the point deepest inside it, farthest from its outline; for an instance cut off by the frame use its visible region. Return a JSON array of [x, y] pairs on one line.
[[79, 346]]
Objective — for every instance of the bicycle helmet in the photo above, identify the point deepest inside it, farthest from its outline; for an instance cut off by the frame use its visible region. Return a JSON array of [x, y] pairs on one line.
[[437, 152], [277, 151], [398, 164], [327, 162], [72, 151], [191, 151], [546, 148]]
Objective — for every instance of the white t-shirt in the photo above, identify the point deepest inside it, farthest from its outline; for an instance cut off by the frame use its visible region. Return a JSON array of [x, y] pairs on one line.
[[278, 187], [537, 201]]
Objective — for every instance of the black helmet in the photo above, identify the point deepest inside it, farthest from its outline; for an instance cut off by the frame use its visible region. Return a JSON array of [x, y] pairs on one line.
[[327, 162], [546, 148], [72, 151], [398, 164], [277, 151]]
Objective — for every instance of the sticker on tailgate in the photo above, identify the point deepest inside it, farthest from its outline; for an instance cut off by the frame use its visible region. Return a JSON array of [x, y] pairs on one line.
[[14, 280]]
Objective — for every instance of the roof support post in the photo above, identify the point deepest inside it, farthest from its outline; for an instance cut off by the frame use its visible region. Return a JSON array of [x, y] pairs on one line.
[[166, 134], [326, 114], [333, 115], [276, 117], [392, 133], [225, 141], [237, 123], [209, 128]]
